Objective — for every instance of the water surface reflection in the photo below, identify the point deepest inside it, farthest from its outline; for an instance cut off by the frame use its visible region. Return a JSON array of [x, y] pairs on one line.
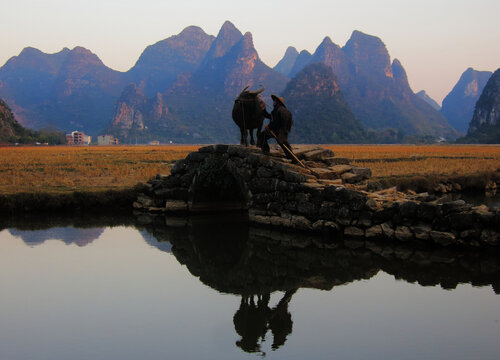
[[268, 274]]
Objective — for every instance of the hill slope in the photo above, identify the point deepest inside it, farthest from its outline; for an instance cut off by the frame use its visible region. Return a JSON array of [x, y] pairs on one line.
[[13, 132], [485, 124], [458, 105], [321, 115], [377, 90]]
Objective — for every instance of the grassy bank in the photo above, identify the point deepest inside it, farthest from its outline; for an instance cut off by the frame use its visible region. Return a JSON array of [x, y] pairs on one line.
[[69, 169], [44, 178], [76, 201]]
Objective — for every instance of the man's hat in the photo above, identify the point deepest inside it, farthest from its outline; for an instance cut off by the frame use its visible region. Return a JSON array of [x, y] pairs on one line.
[[278, 99]]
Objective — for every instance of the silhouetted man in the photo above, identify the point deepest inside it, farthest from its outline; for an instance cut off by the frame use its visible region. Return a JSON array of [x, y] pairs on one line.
[[279, 127]]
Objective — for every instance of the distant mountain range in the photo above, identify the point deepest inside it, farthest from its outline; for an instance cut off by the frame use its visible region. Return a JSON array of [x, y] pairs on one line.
[[377, 91], [458, 105], [424, 96], [182, 89], [485, 124], [13, 132], [9, 127], [196, 107], [71, 89], [319, 108]]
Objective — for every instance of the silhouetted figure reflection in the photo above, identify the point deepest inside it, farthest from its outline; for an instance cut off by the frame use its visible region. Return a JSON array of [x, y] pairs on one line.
[[254, 318]]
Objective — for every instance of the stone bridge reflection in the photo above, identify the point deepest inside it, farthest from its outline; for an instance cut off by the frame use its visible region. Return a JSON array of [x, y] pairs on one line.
[[253, 262]]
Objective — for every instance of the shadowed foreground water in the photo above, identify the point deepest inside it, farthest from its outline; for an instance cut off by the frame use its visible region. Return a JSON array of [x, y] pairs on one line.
[[110, 287]]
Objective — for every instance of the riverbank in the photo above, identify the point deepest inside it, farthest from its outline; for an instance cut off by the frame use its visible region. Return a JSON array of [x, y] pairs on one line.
[[25, 202], [61, 178]]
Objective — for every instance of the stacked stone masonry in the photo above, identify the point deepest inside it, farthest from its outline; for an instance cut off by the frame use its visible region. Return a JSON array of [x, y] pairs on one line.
[[327, 196]]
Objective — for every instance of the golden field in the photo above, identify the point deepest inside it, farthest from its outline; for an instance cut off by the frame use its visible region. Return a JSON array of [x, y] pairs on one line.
[[413, 160], [78, 168], [94, 168]]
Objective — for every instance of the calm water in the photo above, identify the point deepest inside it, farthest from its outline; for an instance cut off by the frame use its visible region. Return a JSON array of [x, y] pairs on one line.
[[108, 288]]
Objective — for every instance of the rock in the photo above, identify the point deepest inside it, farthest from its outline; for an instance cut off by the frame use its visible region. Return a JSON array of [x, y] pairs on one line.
[[387, 229], [403, 252], [421, 232], [384, 214], [455, 206], [351, 178], [318, 225], [460, 221], [196, 157], [354, 231], [176, 193], [364, 220], [442, 238], [470, 234], [176, 205], [315, 154], [442, 257], [365, 172], [280, 221], [293, 176], [490, 237], [330, 182], [306, 208], [403, 233], [374, 232], [331, 225], [373, 247], [372, 205], [332, 161], [137, 205], [259, 219], [440, 188], [264, 172], [326, 173], [340, 169], [481, 210], [156, 210], [179, 167], [145, 201], [315, 164], [354, 243], [422, 196], [428, 211], [301, 223], [408, 209]]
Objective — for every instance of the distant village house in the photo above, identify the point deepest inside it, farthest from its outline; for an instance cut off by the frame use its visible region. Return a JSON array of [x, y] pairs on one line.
[[78, 138], [107, 140]]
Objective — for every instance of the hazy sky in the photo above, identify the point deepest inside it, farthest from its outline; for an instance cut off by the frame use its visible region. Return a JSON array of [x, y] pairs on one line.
[[435, 40]]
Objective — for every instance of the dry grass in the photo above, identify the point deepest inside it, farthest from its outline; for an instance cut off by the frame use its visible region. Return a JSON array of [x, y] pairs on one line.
[[74, 168], [413, 160], [64, 169]]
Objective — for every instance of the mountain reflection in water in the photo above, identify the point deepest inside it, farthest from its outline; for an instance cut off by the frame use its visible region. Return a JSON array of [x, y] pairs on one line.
[[253, 262]]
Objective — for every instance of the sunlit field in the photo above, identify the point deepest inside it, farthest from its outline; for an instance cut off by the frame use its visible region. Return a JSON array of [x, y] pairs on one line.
[[94, 168], [70, 168], [408, 160]]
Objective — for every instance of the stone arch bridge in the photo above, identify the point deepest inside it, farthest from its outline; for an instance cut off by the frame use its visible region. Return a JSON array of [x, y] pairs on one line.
[[329, 197]]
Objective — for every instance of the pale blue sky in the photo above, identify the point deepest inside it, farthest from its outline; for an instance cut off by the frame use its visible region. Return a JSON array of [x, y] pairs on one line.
[[435, 40]]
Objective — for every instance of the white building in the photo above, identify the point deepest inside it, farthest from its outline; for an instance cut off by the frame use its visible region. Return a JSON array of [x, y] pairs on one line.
[[78, 138], [107, 140]]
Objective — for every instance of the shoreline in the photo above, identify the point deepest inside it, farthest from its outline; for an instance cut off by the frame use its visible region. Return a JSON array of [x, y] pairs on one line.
[[28, 201]]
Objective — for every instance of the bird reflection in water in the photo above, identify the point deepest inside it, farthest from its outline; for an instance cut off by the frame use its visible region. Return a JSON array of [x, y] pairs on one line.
[[255, 318]]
